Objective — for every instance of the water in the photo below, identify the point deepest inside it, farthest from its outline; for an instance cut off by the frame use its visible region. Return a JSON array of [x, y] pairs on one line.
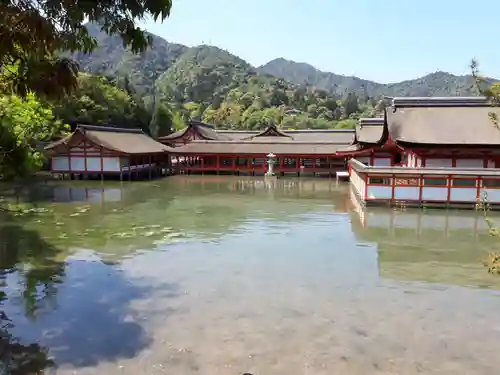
[[216, 275]]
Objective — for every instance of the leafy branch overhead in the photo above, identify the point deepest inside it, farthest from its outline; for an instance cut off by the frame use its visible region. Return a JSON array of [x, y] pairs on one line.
[[488, 88], [34, 33]]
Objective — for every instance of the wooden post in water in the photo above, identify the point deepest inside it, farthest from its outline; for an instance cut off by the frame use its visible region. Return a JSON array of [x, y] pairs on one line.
[[149, 166]]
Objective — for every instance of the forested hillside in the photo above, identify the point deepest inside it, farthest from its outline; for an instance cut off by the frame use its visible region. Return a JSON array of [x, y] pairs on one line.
[[110, 58], [169, 84], [211, 84], [435, 84]]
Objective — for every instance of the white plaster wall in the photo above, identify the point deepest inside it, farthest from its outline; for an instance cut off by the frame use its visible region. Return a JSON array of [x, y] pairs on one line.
[[435, 193], [111, 164], [77, 163], [469, 163], [60, 164], [463, 194], [432, 163], [379, 192], [407, 192], [493, 195], [382, 162], [94, 164]]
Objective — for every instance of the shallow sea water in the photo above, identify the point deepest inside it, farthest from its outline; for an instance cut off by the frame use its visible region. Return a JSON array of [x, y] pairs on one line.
[[222, 275]]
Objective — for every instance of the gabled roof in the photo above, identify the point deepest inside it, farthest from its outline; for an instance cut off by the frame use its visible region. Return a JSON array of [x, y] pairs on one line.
[[271, 139], [337, 136], [451, 101], [208, 132], [258, 146], [126, 141], [205, 131], [370, 130], [462, 122], [237, 134], [270, 131]]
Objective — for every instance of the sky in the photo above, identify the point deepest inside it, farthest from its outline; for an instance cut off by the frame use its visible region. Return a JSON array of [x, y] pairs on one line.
[[384, 41]]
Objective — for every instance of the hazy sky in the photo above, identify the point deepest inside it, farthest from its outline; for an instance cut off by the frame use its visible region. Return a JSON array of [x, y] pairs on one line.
[[385, 41]]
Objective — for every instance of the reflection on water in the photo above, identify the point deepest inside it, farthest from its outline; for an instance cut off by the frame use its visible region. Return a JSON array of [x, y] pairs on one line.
[[205, 275], [437, 246]]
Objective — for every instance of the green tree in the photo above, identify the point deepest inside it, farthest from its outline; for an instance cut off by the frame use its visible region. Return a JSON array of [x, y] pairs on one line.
[[346, 124], [99, 102], [193, 109], [351, 104], [33, 33], [162, 122], [24, 124], [331, 104]]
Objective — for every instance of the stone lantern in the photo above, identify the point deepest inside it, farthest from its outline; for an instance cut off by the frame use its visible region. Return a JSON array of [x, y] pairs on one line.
[[271, 160]]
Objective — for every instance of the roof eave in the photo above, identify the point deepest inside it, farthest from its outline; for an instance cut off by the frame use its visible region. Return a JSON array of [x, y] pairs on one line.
[[414, 144]]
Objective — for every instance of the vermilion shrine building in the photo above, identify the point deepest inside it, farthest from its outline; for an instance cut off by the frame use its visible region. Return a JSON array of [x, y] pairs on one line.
[[92, 151], [449, 153], [200, 148], [422, 151]]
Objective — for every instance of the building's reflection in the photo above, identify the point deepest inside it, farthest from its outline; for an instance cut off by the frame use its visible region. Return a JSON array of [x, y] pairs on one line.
[[299, 188], [87, 194], [434, 246]]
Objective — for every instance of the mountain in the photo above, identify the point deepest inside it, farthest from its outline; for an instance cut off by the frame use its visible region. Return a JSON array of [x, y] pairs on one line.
[[202, 73], [213, 85], [110, 58], [435, 84]]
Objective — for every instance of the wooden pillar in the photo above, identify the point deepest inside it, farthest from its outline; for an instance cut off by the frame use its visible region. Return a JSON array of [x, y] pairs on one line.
[[85, 156], [130, 167], [121, 168], [149, 166], [68, 152]]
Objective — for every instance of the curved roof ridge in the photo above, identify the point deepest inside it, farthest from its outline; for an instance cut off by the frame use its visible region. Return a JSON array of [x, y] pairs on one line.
[[97, 128], [271, 129]]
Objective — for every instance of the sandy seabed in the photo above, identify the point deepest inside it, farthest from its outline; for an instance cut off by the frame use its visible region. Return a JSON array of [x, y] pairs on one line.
[[230, 317]]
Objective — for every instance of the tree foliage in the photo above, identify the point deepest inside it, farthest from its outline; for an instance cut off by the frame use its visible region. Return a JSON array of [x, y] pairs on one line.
[[211, 84], [100, 101], [434, 84], [24, 125], [34, 33], [162, 122]]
